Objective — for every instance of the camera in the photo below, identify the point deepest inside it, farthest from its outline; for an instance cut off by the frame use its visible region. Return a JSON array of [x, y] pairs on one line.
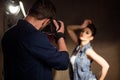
[[51, 28]]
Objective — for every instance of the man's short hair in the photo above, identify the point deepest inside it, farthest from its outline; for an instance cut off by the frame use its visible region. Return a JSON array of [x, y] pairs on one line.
[[42, 9]]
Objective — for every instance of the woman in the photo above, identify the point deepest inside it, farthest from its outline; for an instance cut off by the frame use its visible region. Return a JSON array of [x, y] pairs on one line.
[[83, 54]]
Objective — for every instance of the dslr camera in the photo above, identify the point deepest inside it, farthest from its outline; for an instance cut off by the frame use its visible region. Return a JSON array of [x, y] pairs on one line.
[[50, 29]]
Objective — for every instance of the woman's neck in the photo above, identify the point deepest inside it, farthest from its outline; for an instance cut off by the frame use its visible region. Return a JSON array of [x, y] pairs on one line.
[[83, 43]]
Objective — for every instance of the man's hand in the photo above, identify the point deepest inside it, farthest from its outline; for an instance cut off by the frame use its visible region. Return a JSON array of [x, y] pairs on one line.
[[61, 26]]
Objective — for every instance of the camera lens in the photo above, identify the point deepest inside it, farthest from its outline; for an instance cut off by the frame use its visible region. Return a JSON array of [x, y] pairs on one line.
[[51, 28]]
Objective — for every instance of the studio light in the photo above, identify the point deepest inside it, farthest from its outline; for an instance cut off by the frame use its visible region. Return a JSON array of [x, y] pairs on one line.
[[13, 7], [13, 11]]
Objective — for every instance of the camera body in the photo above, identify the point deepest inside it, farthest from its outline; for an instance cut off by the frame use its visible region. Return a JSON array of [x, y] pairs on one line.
[[50, 29]]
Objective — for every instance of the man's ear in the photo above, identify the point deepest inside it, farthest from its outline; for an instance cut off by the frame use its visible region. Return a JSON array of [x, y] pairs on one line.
[[45, 21]]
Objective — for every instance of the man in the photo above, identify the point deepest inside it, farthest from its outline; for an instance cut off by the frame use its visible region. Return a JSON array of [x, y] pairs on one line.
[[28, 53]]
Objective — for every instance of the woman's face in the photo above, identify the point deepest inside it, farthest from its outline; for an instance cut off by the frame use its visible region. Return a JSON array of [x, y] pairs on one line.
[[86, 34]]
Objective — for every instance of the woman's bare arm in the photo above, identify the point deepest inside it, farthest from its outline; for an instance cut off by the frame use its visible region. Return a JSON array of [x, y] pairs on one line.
[[100, 60], [71, 29]]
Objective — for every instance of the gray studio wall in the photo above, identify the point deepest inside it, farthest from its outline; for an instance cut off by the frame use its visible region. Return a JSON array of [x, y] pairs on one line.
[[104, 13]]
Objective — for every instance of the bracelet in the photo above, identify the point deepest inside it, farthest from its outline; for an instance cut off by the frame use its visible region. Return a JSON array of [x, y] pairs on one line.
[[59, 35]]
